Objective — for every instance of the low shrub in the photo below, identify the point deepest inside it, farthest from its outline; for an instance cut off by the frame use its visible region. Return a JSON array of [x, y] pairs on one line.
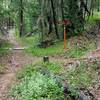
[[36, 87]]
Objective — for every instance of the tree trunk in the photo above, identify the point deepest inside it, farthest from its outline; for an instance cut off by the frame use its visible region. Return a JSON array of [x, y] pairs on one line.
[[62, 11], [21, 26], [54, 19]]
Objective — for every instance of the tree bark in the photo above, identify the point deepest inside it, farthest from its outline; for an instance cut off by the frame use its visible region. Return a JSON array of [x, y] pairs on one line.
[[62, 11], [21, 27], [54, 19]]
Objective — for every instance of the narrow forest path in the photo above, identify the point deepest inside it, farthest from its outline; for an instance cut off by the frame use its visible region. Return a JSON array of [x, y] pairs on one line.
[[19, 59]]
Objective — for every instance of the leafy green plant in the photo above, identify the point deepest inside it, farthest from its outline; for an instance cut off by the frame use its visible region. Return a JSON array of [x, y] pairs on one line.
[[4, 47], [36, 87], [39, 66], [27, 71], [54, 67]]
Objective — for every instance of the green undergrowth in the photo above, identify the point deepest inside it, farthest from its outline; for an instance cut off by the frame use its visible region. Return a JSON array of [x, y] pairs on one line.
[[33, 49], [37, 81], [76, 50], [93, 18], [85, 75], [3, 47], [54, 67], [35, 85], [80, 76]]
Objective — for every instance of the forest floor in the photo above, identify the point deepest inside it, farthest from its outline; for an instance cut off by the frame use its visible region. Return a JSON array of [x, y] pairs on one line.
[[17, 59], [14, 62]]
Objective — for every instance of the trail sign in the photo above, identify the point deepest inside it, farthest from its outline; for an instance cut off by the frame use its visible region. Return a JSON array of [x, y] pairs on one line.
[[65, 23]]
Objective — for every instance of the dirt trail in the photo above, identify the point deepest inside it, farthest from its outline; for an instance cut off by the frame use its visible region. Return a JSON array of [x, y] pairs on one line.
[[16, 61]]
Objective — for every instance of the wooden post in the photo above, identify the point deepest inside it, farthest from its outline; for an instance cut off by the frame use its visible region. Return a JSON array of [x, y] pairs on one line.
[[45, 59], [65, 40]]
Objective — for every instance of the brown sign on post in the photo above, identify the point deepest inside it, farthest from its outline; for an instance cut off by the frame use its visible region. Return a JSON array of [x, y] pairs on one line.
[[65, 23], [65, 38]]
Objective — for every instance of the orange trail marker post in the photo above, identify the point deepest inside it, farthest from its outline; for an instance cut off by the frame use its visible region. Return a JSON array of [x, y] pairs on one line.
[[65, 38], [65, 22]]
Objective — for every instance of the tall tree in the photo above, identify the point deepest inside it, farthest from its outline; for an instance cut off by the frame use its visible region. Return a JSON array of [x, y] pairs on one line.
[[21, 21]]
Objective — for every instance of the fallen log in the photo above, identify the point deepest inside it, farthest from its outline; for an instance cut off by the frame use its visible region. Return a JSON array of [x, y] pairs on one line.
[[19, 48]]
